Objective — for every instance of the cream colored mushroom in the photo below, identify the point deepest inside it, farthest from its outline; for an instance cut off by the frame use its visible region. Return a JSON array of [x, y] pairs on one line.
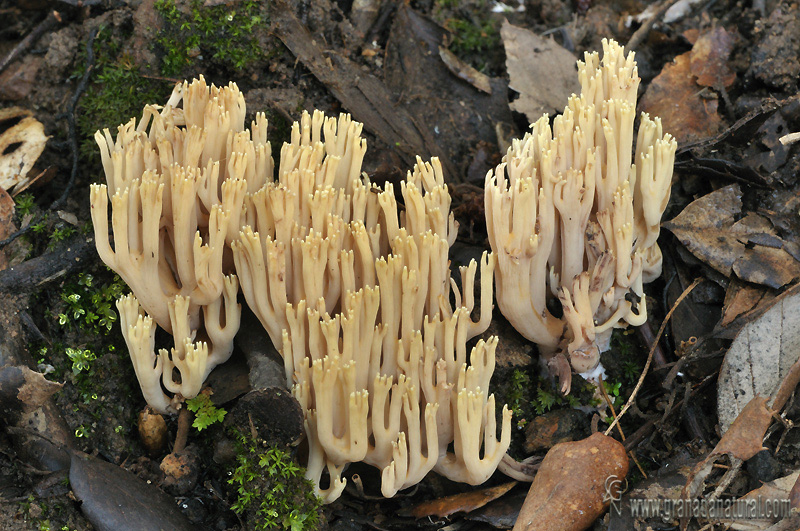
[[573, 214]]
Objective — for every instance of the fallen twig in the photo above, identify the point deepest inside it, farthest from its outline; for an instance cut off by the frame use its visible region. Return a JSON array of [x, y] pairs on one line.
[[652, 352], [43, 27], [639, 35], [73, 143]]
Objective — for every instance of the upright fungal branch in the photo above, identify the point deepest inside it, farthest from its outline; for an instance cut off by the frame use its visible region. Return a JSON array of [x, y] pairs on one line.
[[176, 183], [573, 213], [354, 290], [387, 379]]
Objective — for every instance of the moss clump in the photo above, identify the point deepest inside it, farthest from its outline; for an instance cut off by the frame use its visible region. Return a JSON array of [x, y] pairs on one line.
[[86, 354], [89, 305], [475, 32], [272, 492], [473, 38], [115, 93], [224, 34]]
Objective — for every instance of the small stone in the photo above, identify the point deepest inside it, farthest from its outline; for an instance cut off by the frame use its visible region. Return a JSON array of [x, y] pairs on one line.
[[182, 470], [61, 52], [152, 431], [274, 413], [561, 425]]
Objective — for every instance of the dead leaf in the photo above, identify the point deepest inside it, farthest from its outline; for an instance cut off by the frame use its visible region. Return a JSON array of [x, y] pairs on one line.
[[665, 484], [569, 491], [6, 222], [674, 96], [741, 442], [466, 502], [502, 513], [452, 112], [709, 59], [21, 143], [543, 72], [760, 356], [744, 438], [32, 389], [750, 247], [464, 71], [779, 489], [740, 298], [704, 228]]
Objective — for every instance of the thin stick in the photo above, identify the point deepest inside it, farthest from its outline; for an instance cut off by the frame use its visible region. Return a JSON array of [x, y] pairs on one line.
[[73, 143], [639, 35], [610, 405], [652, 351], [43, 27]]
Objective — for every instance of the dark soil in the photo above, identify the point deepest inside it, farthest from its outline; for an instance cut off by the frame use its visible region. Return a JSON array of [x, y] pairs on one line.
[[140, 48]]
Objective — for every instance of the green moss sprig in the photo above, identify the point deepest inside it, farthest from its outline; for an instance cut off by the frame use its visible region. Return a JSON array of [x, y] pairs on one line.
[[272, 492]]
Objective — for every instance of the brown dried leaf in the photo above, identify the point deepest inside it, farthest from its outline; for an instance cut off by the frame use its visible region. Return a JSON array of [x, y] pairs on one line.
[[760, 356], [704, 227], [709, 62], [740, 298], [749, 247], [742, 441], [569, 490], [35, 389], [465, 502], [464, 71], [744, 438], [21, 143], [6, 222], [539, 69], [674, 96]]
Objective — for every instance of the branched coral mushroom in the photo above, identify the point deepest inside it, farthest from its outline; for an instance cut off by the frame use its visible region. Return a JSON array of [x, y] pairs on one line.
[[176, 193], [573, 213], [354, 290]]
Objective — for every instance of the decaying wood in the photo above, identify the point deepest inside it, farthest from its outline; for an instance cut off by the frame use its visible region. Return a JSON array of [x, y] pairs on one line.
[[361, 93], [36, 272]]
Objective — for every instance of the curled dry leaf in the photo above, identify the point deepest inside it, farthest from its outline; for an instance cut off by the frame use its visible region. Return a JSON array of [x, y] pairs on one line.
[[709, 59], [464, 71], [741, 298], [541, 71], [741, 442], [779, 489], [674, 96], [570, 490], [759, 358], [466, 502], [750, 247], [21, 143]]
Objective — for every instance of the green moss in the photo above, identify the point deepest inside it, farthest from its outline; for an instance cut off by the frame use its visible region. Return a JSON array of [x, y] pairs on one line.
[[517, 397], [475, 32], [223, 34], [117, 91], [272, 492], [472, 38], [89, 305], [25, 204]]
